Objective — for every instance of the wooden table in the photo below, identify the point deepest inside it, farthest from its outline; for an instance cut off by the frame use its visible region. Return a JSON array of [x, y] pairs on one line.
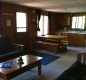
[[57, 38], [30, 62], [52, 41]]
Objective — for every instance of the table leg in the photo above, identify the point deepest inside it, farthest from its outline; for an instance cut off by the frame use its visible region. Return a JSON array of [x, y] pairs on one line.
[[39, 68]]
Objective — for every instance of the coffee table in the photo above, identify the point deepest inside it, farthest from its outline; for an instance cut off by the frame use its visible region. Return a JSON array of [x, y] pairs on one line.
[[29, 62]]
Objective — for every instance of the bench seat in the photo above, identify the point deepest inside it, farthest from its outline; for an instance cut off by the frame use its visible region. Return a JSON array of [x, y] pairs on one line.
[[44, 44]]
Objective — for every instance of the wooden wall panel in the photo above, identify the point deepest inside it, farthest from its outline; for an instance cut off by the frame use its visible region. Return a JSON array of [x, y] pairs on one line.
[[0, 19], [32, 30], [58, 21], [9, 13]]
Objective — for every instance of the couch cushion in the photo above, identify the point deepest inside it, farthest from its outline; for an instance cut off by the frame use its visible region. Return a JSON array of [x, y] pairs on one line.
[[75, 72], [11, 55], [5, 45]]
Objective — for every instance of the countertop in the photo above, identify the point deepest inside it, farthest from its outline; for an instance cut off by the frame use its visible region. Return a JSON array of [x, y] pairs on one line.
[[72, 32]]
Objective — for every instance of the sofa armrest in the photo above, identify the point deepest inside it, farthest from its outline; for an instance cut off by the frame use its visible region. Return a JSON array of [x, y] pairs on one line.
[[19, 46], [81, 57]]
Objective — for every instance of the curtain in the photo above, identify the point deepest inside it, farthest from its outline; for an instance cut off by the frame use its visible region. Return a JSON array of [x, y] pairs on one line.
[[50, 22], [49, 16], [38, 14]]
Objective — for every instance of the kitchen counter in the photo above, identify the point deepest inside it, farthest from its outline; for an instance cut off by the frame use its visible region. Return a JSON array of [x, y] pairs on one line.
[[75, 37], [74, 32]]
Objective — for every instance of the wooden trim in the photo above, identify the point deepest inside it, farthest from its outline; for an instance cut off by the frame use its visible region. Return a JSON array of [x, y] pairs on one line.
[[7, 14]]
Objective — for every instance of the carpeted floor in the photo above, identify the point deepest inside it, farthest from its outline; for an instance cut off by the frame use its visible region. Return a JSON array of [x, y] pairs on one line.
[[76, 48], [52, 70]]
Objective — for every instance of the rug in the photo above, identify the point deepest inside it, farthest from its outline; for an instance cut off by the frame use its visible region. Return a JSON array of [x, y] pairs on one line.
[[51, 71], [47, 58]]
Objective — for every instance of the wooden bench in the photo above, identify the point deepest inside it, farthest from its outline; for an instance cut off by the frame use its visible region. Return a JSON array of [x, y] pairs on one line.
[[50, 45], [63, 45]]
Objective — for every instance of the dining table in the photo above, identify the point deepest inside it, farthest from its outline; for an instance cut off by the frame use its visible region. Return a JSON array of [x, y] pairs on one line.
[[57, 38], [53, 41]]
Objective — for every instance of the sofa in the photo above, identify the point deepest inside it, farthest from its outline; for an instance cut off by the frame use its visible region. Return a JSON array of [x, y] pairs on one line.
[[7, 50], [76, 71]]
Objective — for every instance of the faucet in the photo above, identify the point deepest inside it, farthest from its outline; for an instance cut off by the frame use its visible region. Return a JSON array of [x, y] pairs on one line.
[[81, 30]]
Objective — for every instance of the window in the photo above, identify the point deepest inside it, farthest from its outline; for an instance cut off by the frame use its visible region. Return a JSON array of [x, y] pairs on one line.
[[78, 22], [43, 25], [21, 21]]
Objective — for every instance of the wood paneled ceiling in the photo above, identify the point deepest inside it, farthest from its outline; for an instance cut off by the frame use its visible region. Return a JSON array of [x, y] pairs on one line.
[[66, 6]]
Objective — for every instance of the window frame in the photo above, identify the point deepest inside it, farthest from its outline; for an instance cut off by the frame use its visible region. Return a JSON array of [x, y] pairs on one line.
[[25, 22], [77, 21]]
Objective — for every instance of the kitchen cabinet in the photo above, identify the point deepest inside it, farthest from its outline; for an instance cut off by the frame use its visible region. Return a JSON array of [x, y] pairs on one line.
[[76, 39]]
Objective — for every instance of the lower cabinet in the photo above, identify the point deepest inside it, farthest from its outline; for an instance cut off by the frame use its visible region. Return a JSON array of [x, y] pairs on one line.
[[76, 39]]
